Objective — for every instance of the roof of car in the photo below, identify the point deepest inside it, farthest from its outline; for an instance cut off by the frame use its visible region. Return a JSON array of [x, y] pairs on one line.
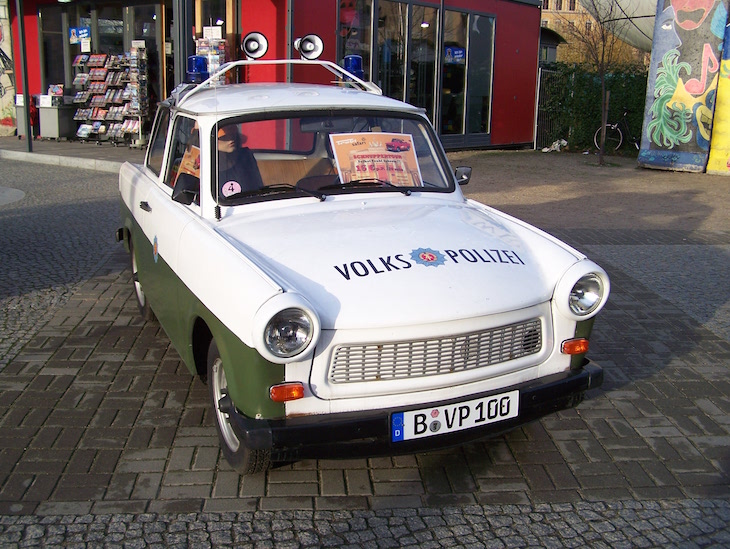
[[245, 98]]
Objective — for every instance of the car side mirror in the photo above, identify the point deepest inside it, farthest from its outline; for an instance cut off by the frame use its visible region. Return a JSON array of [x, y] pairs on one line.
[[463, 174], [187, 189]]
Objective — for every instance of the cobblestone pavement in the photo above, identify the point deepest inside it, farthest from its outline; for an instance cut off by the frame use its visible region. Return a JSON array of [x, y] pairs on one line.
[[610, 525], [55, 233], [105, 439]]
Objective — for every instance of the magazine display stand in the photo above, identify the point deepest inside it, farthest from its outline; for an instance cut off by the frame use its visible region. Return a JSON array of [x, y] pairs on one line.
[[139, 99], [215, 51], [111, 100]]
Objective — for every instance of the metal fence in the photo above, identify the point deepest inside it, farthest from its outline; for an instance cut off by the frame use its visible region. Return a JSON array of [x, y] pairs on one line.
[[551, 124]]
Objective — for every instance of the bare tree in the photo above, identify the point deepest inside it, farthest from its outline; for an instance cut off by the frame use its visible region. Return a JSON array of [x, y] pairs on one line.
[[600, 45]]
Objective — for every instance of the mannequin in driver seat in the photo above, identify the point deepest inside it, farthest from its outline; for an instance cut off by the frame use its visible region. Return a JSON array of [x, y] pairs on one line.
[[237, 168]]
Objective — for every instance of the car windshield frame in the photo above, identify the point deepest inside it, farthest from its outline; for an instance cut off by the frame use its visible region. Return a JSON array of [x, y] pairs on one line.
[[426, 155]]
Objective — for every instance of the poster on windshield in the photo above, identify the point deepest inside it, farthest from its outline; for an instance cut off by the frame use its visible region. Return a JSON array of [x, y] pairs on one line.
[[376, 156]]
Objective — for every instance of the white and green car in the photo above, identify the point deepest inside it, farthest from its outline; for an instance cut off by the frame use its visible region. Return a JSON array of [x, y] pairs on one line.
[[309, 252]]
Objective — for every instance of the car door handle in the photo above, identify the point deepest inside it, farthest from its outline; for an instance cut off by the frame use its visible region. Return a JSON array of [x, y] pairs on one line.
[[145, 206]]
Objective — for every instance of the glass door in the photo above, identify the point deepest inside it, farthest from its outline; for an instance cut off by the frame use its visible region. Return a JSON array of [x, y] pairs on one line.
[[422, 76], [55, 62], [479, 76], [453, 76], [392, 36], [406, 53]]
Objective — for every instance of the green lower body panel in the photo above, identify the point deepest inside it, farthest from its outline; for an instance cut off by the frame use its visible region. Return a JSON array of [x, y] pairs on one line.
[[179, 311]]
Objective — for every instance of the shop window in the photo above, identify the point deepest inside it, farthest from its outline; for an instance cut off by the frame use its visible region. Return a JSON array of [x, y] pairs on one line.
[[454, 72], [354, 31], [424, 23], [392, 28], [479, 79]]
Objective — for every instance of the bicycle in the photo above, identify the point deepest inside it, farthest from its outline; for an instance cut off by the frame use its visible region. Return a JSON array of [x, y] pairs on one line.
[[614, 135]]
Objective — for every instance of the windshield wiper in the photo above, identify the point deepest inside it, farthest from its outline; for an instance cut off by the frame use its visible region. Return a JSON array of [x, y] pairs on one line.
[[369, 182], [284, 188]]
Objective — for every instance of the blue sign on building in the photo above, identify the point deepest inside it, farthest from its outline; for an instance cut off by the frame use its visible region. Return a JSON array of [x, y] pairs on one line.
[[75, 34], [454, 56]]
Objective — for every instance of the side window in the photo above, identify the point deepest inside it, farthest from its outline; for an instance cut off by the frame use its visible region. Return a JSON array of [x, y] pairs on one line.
[[185, 153], [157, 149]]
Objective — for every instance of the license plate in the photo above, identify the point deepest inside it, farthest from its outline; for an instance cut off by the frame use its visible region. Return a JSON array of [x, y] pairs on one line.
[[454, 417]]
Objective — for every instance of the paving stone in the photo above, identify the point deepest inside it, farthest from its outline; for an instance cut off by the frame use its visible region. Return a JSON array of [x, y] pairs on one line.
[[100, 418]]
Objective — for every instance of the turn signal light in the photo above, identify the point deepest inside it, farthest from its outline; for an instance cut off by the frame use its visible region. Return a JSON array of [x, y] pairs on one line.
[[574, 346], [286, 391]]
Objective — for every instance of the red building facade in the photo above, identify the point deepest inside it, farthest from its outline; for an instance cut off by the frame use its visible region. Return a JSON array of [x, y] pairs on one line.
[[471, 64]]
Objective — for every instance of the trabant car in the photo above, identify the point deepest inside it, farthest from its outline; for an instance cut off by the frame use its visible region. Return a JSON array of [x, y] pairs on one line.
[[341, 299]]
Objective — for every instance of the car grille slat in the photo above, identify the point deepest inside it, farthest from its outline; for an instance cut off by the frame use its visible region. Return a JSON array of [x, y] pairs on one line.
[[430, 357]]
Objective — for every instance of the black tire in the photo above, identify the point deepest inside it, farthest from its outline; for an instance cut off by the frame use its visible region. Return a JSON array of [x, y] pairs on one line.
[[144, 307], [614, 138], [242, 459]]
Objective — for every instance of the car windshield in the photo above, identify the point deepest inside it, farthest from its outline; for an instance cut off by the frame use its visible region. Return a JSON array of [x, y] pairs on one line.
[[322, 155]]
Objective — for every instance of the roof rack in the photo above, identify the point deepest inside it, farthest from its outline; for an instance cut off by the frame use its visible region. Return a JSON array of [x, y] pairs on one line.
[[344, 77]]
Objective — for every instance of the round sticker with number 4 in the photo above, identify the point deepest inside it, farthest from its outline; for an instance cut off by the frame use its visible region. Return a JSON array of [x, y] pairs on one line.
[[230, 188]]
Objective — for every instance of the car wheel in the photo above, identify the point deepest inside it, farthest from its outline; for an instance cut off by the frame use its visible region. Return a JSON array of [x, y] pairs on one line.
[[144, 306], [242, 459]]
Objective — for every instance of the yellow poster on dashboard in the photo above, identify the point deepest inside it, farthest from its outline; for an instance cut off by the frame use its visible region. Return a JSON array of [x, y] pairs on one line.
[[376, 156]]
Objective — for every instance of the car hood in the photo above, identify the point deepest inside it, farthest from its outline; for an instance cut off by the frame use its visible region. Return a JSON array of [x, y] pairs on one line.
[[395, 260]]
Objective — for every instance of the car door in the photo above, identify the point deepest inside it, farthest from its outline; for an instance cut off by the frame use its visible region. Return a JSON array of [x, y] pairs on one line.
[[164, 221], [135, 185]]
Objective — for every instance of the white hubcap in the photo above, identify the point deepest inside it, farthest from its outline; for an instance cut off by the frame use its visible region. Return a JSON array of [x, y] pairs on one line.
[[137, 286], [220, 387]]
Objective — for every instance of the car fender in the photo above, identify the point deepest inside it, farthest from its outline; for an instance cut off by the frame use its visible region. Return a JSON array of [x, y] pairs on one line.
[[227, 283]]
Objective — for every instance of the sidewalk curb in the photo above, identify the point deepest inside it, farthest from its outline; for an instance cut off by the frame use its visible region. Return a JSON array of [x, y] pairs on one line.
[[64, 161]]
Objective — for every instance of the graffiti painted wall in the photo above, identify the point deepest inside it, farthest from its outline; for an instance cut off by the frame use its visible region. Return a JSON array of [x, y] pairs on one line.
[[719, 162], [682, 85], [7, 80]]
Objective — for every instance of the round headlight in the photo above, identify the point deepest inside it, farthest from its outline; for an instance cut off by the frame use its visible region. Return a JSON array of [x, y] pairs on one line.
[[586, 294], [288, 333]]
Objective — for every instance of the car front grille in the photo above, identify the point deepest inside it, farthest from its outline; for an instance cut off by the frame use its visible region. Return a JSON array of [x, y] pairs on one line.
[[431, 357]]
